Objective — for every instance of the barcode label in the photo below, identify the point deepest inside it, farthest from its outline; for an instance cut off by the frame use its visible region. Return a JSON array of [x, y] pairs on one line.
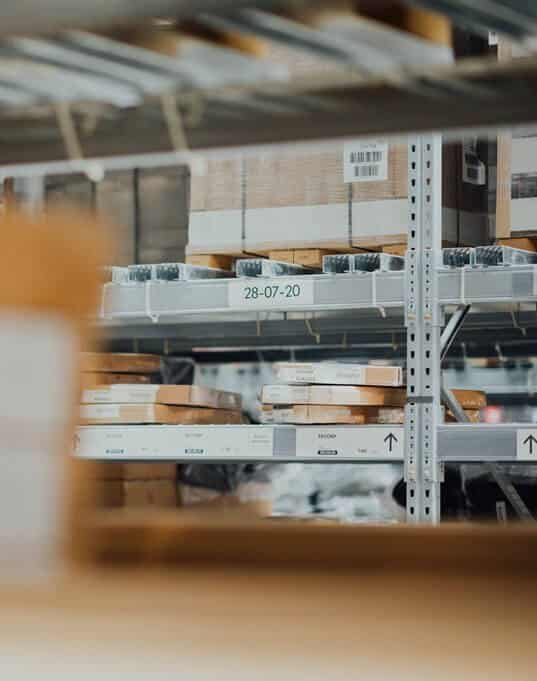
[[366, 171], [365, 156], [365, 161]]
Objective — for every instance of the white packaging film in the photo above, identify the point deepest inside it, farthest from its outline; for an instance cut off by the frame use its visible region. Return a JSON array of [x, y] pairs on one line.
[[37, 355]]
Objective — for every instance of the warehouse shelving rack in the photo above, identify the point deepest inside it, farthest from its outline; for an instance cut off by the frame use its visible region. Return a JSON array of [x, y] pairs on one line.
[[422, 292], [414, 303]]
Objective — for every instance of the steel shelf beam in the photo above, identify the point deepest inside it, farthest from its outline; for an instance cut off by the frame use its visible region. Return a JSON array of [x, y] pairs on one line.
[[457, 443], [171, 302]]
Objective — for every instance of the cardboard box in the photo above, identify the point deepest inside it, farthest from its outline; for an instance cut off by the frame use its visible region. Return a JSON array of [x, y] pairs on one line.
[[93, 379], [188, 395], [339, 395], [112, 471], [120, 363], [470, 399], [103, 414], [249, 205], [338, 373], [313, 414], [329, 414], [474, 416], [154, 493]]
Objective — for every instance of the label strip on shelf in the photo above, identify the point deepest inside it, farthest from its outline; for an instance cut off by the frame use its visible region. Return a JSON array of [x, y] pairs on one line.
[[526, 444], [351, 443], [253, 443]]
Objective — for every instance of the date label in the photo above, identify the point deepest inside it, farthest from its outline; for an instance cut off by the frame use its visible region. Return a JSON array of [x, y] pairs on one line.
[[261, 293]]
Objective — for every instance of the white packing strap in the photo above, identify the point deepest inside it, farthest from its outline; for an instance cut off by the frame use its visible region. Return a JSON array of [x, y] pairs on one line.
[[68, 131], [312, 333], [147, 297], [102, 313], [463, 285], [380, 308], [174, 121]]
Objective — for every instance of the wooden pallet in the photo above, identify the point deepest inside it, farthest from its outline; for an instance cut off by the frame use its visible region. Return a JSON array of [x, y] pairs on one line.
[[395, 249], [524, 243], [307, 257], [221, 262]]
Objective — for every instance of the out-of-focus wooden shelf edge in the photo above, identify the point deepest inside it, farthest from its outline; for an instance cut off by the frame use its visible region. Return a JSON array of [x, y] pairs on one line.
[[261, 600], [185, 537]]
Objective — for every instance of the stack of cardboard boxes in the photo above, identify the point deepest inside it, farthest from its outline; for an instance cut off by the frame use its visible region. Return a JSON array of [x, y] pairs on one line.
[[118, 390], [331, 393]]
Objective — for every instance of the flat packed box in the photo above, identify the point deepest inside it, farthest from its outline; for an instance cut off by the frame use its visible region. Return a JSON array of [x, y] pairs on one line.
[[307, 414], [470, 399], [304, 414], [92, 379], [109, 414], [121, 363], [188, 395], [473, 415], [338, 374], [340, 395]]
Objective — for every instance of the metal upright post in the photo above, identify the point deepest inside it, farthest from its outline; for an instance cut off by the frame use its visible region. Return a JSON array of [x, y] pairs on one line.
[[423, 318]]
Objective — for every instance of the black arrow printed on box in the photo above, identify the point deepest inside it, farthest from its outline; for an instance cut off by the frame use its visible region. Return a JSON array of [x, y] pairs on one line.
[[531, 440], [390, 439]]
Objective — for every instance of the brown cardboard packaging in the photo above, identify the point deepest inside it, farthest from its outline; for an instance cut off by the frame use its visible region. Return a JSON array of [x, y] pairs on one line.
[[93, 379], [121, 363], [187, 395], [144, 493], [49, 268], [474, 416], [102, 414], [367, 585], [470, 399], [310, 414], [337, 395], [338, 373], [109, 494], [112, 471], [330, 414]]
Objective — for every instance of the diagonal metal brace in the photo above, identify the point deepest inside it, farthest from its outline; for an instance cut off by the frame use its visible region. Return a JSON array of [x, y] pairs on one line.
[[451, 402]]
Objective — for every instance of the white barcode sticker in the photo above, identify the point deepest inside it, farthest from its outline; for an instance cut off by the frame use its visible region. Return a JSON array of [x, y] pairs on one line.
[[365, 161]]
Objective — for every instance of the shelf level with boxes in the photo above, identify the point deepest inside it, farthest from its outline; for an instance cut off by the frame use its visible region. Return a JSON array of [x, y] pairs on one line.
[[458, 443]]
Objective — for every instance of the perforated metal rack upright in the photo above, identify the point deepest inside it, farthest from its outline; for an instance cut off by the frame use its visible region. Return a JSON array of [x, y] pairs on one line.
[[423, 317]]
